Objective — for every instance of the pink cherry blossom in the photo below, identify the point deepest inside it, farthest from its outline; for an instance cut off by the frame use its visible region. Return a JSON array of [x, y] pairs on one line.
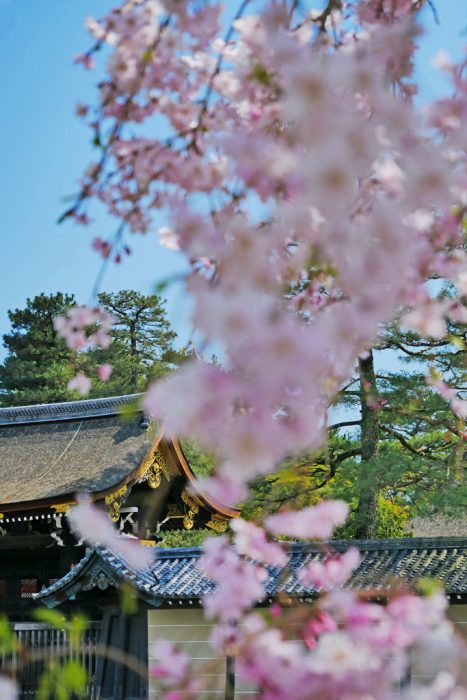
[[336, 654], [93, 525], [315, 522], [333, 571], [250, 540], [80, 383], [103, 247], [239, 582], [104, 372], [458, 404], [168, 238], [171, 664], [322, 622], [75, 327], [254, 169]]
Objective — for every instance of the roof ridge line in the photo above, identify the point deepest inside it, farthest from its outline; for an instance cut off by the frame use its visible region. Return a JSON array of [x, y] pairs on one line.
[[65, 410], [400, 543]]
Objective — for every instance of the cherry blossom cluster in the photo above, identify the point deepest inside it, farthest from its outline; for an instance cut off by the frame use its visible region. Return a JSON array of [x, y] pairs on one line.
[[360, 195], [84, 327], [343, 645], [291, 202], [312, 200], [94, 526]]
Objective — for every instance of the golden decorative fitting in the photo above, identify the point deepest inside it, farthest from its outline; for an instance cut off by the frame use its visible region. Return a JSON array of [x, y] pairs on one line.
[[154, 475], [114, 503], [61, 507], [2, 515], [191, 513], [148, 543], [217, 523], [173, 511], [155, 466]]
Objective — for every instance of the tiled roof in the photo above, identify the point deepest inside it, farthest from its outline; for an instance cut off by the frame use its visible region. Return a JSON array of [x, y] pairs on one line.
[[175, 576], [68, 410]]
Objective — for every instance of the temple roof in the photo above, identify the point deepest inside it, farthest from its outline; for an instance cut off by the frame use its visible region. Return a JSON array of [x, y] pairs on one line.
[[51, 451], [174, 575], [67, 410]]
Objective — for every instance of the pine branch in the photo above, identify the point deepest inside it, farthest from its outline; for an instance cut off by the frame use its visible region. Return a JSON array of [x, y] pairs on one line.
[[344, 424], [406, 444]]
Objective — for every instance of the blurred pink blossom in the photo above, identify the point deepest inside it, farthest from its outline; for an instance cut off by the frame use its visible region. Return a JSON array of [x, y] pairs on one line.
[[80, 383], [94, 525], [316, 522]]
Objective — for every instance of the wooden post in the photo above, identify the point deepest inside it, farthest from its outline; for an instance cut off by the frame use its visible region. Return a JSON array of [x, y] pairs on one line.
[[230, 678]]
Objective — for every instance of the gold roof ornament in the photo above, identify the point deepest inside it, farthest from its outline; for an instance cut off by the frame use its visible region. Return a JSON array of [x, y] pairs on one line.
[[217, 523], [192, 511], [114, 502]]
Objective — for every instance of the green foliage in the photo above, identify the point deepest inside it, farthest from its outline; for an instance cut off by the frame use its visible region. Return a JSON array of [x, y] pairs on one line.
[[75, 626], [63, 682], [392, 520], [38, 365], [418, 457], [202, 463], [299, 483], [143, 343], [50, 617], [7, 637], [185, 538], [128, 599], [67, 680], [428, 586]]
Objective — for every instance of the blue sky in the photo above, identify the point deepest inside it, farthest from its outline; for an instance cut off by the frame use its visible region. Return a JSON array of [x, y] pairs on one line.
[[44, 149]]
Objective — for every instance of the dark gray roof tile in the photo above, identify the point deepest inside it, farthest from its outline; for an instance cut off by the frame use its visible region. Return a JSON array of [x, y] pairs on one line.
[[174, 574]]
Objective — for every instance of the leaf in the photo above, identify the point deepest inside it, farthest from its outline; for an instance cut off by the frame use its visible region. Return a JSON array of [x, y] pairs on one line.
[[146, 56], [77, 626], [73, 677], [50, 617], [456, 341], [45, 687], [128, 599], [428, 586], [7, 637], [161, 286], [129, 411]]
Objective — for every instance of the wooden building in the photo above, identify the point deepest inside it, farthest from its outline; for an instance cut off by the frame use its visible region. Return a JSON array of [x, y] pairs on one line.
[[105, 447], [170, 590], [51, 452]]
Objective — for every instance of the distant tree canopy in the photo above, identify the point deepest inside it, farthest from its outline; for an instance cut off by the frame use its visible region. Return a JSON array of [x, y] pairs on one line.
[[143, 342], [38, 365], [394, 451], [395, 448]]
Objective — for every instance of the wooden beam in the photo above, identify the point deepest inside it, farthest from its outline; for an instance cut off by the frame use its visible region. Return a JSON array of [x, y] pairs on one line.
[[26, 541]]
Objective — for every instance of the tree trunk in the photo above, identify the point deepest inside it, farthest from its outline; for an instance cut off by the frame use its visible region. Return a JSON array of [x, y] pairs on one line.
[[368, 489]]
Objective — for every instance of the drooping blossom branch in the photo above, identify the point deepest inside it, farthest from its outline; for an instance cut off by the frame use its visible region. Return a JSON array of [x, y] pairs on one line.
[[312, 200]]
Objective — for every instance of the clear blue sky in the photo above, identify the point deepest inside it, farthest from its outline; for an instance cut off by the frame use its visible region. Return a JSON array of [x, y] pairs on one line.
[[44, 149]]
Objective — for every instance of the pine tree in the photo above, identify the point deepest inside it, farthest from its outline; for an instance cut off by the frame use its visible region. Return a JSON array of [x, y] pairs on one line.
[[38, 365], [143, 342], [396, 449]]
